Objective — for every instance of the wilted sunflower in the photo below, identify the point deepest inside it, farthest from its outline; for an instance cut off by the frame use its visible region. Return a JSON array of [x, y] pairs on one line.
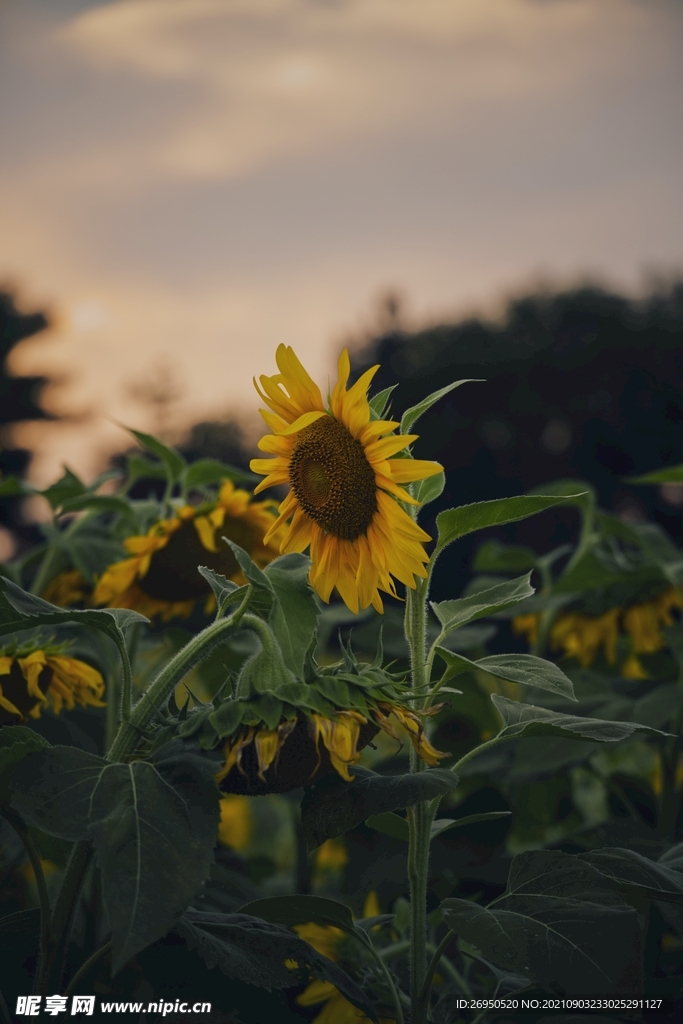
[[161, 578], [29, 676], [305, 747], [345, 486], [581, 636]]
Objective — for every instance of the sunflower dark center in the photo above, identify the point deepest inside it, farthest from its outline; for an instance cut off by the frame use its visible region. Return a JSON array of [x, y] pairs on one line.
[[332, 479], [173, 575]]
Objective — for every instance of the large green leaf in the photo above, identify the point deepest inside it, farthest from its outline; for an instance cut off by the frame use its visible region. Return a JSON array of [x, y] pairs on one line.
[[254, 948], [579, 493], [527, 720], [212, 471], [301, 909], [631, 872], [666, 475], [19, 611], [333, 806], [558, 924], [397, 827], [453, 614], [457, 522], [294, 615], [173, 461], [153, 825], [412, 415], [493, 556], [15, 744], [516, 668]]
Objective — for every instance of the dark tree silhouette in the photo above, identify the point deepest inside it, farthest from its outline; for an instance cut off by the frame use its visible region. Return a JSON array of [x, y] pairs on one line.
[[584, 384], [19, 401]]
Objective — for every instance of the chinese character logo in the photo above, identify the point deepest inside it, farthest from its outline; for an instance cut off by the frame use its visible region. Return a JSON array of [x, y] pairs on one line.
[[83, 1004], [28, 1006], [55, 1005]]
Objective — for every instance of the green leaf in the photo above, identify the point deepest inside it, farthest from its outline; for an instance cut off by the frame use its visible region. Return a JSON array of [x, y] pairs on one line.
[[67, 487], [525, 719], [629, 871], [294, 615], [397, 827], [12, 485], [15, 744], [379, 402], [428, 489], [153, 825], [526, 669], [300, 909], [20, 610], [558, 924], [212, 471], [223, 589], [390, 824], [412, 415], [666, 475], [493, 556], [578, 493], [457, 522], [253, 948], [97, 503], [333, 806], [446, 824], [263, 596], [140, 468], [453, 614], [172, 460]]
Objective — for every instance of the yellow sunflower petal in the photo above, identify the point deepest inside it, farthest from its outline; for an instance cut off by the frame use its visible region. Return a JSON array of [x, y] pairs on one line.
[[344, 484]]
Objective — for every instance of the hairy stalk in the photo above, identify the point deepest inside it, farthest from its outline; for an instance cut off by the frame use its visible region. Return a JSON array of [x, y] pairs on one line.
[[85, 967], [21, 829], [421, 815], [158, 692], [430, 972], [62, 917]]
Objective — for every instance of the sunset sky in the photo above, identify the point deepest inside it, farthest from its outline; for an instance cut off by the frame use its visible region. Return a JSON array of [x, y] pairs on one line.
[[187, 183]]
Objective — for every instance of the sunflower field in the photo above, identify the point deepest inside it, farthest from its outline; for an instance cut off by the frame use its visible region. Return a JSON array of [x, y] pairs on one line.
[[246, 765]]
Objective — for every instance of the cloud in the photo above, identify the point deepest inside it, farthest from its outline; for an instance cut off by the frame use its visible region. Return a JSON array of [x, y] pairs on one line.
[[193, 181]]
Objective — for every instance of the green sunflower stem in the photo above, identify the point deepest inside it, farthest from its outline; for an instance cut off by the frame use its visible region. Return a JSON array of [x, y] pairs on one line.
[[21, 829], [158, 692], [421, 815]]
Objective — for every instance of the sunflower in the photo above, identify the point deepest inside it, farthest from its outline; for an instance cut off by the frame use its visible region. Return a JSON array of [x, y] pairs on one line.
[[326, 939], [161, 578], [236, 822], [581, 636], [66, 588], [304, 748], [345, 487], [28, 677]]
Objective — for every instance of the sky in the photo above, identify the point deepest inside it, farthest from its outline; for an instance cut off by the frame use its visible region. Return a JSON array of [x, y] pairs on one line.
[[187, 183]]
